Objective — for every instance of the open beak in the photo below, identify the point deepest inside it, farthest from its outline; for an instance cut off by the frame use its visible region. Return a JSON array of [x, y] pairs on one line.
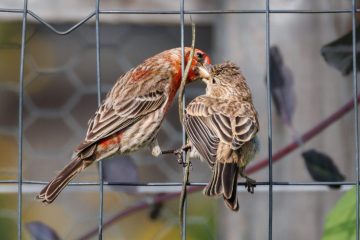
[[204, 73]]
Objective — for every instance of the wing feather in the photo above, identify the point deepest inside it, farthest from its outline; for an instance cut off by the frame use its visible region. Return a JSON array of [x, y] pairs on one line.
[[109, 120], [122, 108], [209, 121], [202, 137]]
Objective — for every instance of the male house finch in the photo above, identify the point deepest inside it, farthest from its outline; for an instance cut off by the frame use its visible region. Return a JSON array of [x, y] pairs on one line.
[[221, 126], [130, 116]]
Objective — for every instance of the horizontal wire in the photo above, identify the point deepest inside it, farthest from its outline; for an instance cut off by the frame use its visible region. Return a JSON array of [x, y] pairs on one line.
[[92, 14], [9, 10], [34, 189], [167, 184], [222, 11]]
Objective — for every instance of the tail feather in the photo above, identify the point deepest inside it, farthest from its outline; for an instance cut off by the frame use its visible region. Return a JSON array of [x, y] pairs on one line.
[[49, 193], [232, 201], [229, 178], [224, 183], [214, 187]]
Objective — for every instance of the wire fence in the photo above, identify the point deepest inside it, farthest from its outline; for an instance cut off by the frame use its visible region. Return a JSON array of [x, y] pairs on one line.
[[182, 13]]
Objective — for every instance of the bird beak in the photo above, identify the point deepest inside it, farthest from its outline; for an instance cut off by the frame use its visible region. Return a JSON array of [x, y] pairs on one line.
[[204, 73]]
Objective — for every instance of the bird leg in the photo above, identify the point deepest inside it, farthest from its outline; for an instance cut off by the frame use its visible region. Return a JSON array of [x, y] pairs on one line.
[[156, 151], [171, 151], [179, 153], [250, 183]]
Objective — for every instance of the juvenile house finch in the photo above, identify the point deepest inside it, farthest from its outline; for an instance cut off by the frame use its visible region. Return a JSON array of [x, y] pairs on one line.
[[221, 126], [130, 116]]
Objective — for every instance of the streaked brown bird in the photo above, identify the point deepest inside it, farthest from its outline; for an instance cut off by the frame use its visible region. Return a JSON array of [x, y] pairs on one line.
[[222, 125], [130, 116]]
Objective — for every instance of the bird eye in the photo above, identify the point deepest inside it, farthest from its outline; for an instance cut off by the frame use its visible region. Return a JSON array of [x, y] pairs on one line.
[[200, 55]]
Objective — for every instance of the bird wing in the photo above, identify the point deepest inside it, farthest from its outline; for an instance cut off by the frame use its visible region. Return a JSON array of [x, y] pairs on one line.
[[202, 137], [208, 121], [128, 101], [244, 124]]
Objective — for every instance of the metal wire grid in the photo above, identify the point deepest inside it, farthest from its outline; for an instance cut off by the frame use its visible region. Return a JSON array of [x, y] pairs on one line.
[[181, 12], [269, 114], [182, 18]]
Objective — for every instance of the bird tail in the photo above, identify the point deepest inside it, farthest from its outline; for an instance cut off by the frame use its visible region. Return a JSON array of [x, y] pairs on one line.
[[50, 192], [224, 182]]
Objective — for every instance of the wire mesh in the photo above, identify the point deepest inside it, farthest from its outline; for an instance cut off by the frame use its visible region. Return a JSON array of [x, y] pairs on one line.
[[182, 39], [182, 13], [98, 81], [269, 117], [21, 103], [355, 113]]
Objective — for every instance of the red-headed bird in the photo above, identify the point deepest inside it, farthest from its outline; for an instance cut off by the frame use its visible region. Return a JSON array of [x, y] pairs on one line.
[[222, 125], [130, 116]]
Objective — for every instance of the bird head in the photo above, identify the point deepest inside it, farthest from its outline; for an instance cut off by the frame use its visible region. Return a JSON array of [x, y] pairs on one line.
[[198, 68], [225, 80]]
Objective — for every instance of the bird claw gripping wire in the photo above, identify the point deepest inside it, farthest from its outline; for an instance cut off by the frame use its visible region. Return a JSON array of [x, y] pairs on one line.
[[179, 153], [179, 156]]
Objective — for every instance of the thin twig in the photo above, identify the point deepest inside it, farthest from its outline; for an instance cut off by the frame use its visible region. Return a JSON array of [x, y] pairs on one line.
[[186, 72], [181, 116], [184, 193]]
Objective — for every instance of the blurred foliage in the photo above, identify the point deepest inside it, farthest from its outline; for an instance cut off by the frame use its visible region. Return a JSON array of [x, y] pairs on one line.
[[282, 86], [201, 216], [8, 216], [10, 33], [10, 39], [201, 219], [8, 228], [41, 231], [340, 223], [8, 165], [322, 168], [338, 53]]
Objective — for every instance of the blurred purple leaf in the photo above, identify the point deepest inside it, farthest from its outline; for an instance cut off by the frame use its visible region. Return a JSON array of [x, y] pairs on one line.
[[282, 86], [41, 231], [338, 53], [322, 168], [120, 169]]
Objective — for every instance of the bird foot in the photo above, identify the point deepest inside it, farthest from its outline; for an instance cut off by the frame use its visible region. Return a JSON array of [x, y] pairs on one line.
[[180, 156], [179, 153], [250, 184]]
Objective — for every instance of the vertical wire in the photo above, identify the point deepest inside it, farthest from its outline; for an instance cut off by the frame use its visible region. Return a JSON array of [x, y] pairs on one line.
[[98, 81], [21, 123], [356, 118], [182, 2], [269, 113]]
